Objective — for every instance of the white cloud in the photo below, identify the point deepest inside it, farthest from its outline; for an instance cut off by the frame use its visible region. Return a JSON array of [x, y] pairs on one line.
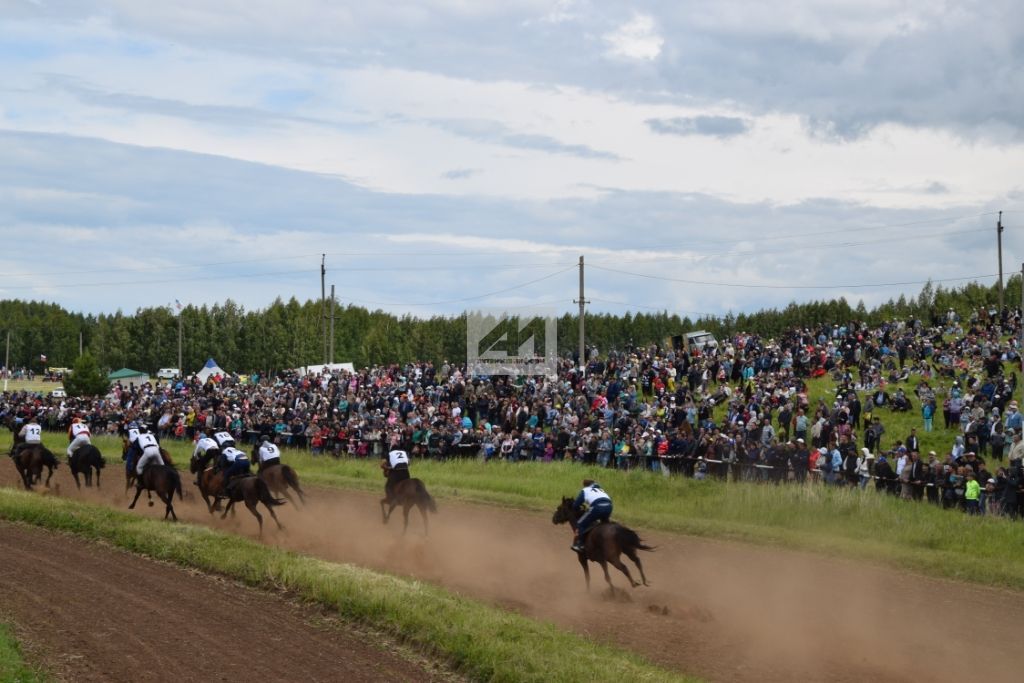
[[636, 39]]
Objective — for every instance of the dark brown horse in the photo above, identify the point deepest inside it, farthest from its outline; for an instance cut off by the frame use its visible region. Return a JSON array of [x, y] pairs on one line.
[[210, 481], [603, 544], [129, 474], [86, 459], [252, 490], [408, 493], [164, 481], [279, 478], [30, 462]]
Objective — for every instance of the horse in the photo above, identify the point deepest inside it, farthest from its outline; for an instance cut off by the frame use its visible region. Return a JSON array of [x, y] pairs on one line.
[[407, 493], [129, 474], [252, 490], [84, 461], [603, 544], [30, 463], [164, 480], [279, 478], [209, 481]]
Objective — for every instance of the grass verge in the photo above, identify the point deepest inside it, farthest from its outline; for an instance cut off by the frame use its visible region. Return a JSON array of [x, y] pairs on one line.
[[482, 642], [12, 667]]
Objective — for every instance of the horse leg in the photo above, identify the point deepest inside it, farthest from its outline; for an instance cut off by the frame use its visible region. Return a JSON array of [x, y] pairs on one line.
[[48, 476], [74, 473], [169, 507], [274, 516], [632, 554], [98, 470], [138, 492], [230, 505], [405, 512], [607, 576], [586, 569], [259, 518], [617, 563], [426, 526], [384, 514]]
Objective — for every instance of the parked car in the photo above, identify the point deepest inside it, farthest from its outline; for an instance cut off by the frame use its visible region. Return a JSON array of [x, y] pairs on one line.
[[59, 393], [168, 373]]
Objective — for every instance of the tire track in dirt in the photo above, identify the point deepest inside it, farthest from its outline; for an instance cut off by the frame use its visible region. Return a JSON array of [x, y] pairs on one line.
[[92, 613], [734, 612]]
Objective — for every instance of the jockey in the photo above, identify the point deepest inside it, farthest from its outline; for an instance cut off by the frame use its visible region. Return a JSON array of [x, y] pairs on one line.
[[131, 456], [32, 433], [599, 509], [150, 449], [396, 469], [269, 454], [204, 446], [79, 435], [233, 462], [224, 440]]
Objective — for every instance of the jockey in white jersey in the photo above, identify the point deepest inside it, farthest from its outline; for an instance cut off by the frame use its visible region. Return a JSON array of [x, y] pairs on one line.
[[150, 449], [396, 469], [79, 435], [233, 462], [269, 454], [599, 509], [32, 433], [224, 440], [205, 446]]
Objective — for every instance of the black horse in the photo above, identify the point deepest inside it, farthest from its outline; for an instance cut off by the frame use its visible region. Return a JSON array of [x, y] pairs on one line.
[[603, 544], [30, 461], [163, 480], [408, 493], [86, 459]]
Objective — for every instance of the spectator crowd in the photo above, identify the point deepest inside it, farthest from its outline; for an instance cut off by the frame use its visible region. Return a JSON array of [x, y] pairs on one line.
[[741, 409]]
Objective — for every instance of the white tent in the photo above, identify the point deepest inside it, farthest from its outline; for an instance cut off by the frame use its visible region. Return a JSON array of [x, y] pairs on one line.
[[211, 368]]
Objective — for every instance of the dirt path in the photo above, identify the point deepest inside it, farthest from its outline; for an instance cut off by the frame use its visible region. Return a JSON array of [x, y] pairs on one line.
[[734, 612], [91, 613]]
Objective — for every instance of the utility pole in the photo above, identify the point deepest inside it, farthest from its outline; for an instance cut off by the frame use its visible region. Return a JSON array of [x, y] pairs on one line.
[[332, 324], [999, 243], [181, 370], [582, 301], [7, 360], [323, 303]]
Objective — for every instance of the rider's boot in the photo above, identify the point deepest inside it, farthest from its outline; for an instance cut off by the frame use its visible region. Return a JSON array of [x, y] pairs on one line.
[[577, 543]]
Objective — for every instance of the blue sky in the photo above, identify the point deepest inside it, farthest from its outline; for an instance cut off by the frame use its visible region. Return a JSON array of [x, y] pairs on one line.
[[447, 154]]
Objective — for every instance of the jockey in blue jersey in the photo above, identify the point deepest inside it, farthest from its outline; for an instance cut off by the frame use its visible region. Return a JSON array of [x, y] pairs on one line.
[[599, 509], [233, 462]]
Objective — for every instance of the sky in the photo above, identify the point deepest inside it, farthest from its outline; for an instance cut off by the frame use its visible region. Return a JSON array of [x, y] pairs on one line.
[[454, 154]]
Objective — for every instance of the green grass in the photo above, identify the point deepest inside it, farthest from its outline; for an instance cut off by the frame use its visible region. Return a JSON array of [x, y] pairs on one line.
[[36, 385], [481, 642], [12, 667]]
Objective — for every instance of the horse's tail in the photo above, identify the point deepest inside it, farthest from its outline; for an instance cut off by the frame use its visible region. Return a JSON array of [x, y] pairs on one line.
[[264, 494], [176, 478], [48, 458], [292, 480], [629, 538], [427, 499], [97, 458]]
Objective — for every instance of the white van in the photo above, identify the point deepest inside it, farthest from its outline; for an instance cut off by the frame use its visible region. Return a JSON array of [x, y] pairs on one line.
[[168, 373]]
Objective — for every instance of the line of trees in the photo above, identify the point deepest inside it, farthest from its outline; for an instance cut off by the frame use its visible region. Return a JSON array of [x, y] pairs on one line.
[[288, 333]]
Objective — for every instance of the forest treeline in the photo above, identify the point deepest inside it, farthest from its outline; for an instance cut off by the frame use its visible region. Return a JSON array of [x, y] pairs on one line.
[[287, 334]]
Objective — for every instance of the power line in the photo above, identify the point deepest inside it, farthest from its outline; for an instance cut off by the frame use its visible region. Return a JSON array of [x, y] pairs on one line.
[[759, 286], [468, 298]]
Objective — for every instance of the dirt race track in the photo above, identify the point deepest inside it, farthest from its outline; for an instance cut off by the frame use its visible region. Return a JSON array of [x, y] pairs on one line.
[[92, 613], [724, 611]]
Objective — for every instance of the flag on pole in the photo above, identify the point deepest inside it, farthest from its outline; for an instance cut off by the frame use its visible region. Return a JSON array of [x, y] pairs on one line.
[[178, 304], [42, 358]]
